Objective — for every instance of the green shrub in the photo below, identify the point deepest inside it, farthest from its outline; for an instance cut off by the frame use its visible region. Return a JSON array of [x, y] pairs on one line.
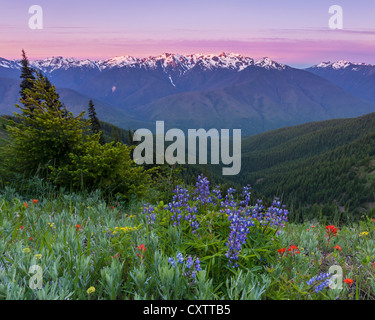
[[107, 167]]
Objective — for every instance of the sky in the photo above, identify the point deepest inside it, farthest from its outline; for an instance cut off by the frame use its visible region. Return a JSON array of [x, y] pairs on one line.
[[293, 32]]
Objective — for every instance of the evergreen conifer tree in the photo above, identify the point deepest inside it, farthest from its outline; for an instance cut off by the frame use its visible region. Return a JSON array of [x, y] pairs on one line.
[[46, 133], [95, 124], [27, 76]]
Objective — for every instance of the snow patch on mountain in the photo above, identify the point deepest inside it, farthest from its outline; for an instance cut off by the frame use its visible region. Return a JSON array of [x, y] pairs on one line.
[[171, 80]]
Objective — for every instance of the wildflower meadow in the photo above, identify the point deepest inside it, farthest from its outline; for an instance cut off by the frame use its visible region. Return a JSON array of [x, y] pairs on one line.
[[204, 244]]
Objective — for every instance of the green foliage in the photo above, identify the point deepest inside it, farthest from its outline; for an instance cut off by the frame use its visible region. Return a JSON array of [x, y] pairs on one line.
[[108, 130], [27, 75], [4, 138], [107, 167], [45, 135]]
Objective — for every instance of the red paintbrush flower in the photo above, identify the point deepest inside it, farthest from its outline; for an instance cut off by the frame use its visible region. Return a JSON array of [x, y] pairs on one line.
[[349, 281], [331, 231], [293, 250]]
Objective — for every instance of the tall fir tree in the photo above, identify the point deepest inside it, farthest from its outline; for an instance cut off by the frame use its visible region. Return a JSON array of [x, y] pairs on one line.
[[27, 76], [44, 136], [95, 124], [51, 88]]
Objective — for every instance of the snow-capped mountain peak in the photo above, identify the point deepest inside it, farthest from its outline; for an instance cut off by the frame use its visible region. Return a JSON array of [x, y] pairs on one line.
[[9, 64], [54, 63], [342, 64], [119, 61], [267, 63], [169, 62]]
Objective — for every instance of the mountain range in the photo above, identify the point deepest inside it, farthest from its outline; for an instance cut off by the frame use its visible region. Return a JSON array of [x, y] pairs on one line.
[[202, 90], [356, 78]]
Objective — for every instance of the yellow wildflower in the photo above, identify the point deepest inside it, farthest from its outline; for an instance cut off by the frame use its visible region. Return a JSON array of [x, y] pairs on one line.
[[125, 229], [90, 290], [365, 233], [26, 250], [38, 256]]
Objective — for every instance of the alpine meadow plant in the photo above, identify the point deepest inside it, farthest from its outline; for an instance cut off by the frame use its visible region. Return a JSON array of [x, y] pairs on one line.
[[241, 221], [148, 210], [226, 229], [188, 265], [320, 282]]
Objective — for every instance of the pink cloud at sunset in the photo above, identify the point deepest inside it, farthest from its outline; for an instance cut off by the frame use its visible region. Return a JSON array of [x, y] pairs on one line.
[[294, 33]]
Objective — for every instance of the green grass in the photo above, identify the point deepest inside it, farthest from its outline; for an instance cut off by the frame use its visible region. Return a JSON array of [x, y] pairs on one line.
[[80, 241]]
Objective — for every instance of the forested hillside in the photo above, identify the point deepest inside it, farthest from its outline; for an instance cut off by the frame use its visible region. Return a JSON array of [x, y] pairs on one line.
[[322, 162]]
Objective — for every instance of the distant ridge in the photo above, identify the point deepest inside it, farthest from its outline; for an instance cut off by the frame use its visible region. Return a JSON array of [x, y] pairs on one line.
[[226, 90]]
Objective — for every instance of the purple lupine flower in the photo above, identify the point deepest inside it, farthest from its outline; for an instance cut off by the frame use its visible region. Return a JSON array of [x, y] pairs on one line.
[[240, 225], [198, 265], [189, 262], [324, 280], [172, 262], [246, 194], [178, 204], [180, 257], [276, 215], [202, 190], [148, 210]]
